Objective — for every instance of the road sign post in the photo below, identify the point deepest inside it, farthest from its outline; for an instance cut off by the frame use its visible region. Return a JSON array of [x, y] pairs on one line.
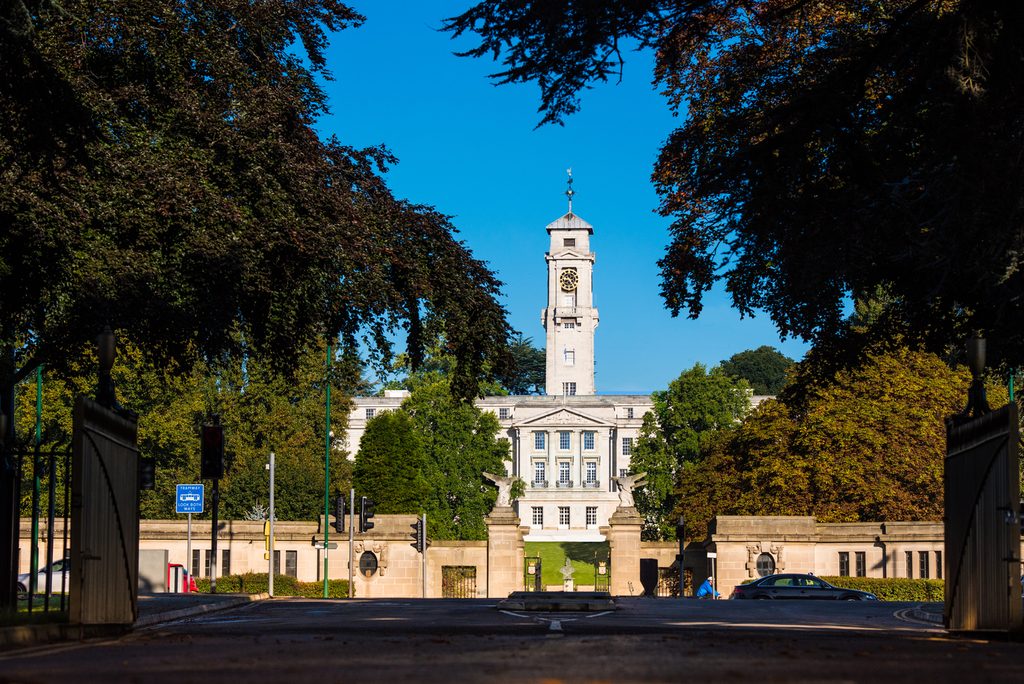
[[189, 498]]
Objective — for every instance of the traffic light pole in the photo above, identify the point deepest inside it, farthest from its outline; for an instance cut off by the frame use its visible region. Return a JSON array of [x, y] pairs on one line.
[[423, 556], [213, 539], [327, 463], [351, 538], [270, 519]]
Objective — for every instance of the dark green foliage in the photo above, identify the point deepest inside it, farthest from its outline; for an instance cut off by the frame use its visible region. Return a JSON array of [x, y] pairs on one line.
[[826, 148], [894, 588], [391, 464], [256, 583], [764, 368], [527, 376]]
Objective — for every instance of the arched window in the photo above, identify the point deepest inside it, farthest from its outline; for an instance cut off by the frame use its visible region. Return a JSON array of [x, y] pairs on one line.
[[765, 565]]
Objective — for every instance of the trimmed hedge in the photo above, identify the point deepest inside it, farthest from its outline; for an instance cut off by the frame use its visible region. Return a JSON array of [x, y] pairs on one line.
[[894, 588], [256, 583]]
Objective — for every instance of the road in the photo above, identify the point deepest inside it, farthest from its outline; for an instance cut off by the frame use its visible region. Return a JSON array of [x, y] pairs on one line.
[[451, 641]]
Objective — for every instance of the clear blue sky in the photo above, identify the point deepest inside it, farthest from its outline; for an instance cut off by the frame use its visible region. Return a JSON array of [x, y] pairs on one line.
[[471, 150]]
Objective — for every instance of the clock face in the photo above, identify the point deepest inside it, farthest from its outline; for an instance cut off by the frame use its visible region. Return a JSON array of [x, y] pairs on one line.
[[569, 279]]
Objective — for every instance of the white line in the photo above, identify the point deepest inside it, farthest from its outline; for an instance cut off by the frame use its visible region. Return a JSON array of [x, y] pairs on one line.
[[556, 626]]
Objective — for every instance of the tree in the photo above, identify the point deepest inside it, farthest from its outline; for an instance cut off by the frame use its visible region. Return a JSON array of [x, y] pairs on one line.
[[867, 446], [677, 433], [391, 464], [764, 368], [826, 149], [527, 374]]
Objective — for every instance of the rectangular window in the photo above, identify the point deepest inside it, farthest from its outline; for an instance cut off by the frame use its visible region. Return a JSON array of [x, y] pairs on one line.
[[910, 564], [207, 558], [195, 563], [627, 446], [569, 325], [277, 562], [588, 441], [938, 565], [538, 440], [629, 413], [569, 389], [568, 242], [564, 441], [291, 563], [504, 413], [563, 516], [570, 358], [591, 515], [623, 472], [563, 471], [844, 563], [923, 557], [225, 561], [591, 470], [370, 413], [862, 565], [569, 300], [539, 472], [538, 516]]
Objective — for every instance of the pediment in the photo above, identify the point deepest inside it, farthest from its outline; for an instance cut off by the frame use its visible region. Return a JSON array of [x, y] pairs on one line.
[[564, 417]]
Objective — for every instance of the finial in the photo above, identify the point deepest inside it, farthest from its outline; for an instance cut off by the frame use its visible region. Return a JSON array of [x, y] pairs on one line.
[[570, 192]]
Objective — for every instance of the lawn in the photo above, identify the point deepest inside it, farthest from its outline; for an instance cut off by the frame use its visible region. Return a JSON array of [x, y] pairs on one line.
[[581, 554]]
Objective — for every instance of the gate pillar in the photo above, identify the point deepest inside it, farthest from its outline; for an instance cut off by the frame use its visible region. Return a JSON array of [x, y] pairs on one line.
[[505, 553], [623, 533]]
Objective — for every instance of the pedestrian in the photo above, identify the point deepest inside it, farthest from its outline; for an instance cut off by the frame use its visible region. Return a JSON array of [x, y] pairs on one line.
[[707, 590]]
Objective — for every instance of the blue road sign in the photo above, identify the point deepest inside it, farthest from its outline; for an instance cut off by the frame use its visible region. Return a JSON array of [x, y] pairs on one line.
[[189, 498]]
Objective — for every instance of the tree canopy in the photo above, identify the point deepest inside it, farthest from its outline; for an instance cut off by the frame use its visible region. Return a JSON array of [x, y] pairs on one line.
[[764, 368], [160, 172], [826, 149], [527, 373]]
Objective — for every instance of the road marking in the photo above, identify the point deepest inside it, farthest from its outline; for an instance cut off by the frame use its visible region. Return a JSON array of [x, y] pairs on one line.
[[555, 626]]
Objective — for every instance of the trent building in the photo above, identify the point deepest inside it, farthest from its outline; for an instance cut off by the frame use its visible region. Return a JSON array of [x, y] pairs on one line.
[[569, 443]]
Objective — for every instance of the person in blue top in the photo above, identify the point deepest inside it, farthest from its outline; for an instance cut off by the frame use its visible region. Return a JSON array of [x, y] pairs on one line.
[[707, 590]]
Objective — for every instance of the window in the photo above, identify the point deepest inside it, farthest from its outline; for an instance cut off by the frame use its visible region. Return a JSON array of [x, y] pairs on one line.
[[564, 441], [588, 441], [844, 563], [539, 471], [563, 471], [569, 388], [938, 565], [765, 565], [291, 563], [623, 472], [207, 557], [591, 471], [569, 325], [277, 562], [568, 242], [538, 516], [504, 413], [910, 564], [370, 412], [862, 565], [570, 358], [538, 440], [195, 563], [923, 558], [591, 515], [627, 446], [629, 413], [569, 300], [563, 516], [225, 561]]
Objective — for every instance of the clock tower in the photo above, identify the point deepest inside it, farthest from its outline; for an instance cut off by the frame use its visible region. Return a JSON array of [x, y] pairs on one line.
[[570, 317]]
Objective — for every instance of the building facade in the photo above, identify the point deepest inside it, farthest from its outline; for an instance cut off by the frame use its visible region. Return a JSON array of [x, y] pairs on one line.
[[568, 444]]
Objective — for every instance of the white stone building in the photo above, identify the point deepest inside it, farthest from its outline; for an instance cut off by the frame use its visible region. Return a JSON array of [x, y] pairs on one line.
[[569, 444]]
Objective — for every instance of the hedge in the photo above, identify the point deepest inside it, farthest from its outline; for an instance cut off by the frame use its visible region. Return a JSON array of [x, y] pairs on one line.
[[256, 583], [894, 588]]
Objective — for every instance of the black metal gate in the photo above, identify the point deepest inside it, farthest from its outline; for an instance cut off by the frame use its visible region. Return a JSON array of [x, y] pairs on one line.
[[602, 574], [668, 581], [458, 581], [531, 574], [982, 532]]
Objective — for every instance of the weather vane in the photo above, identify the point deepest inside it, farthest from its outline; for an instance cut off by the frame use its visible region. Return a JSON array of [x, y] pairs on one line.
[[570, 192]]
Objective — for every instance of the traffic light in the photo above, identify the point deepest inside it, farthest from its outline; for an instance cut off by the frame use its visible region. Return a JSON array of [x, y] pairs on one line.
[[266, 539], [339, 513], [147, 473], [419, 536], [365, 513], [212, 457]]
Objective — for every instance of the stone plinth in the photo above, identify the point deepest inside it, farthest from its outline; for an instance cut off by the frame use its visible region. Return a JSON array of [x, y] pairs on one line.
[[505, 555], [624, 541]]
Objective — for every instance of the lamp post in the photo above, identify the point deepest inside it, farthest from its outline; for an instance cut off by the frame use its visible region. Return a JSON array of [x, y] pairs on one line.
[[327, 465], [681, 534]]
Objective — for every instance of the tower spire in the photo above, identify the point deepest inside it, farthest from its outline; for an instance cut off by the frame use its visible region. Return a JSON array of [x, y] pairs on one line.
[[570, 192]]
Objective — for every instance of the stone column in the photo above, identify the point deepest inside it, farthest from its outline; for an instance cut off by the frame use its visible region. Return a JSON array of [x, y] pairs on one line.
[[505, 555], [623, 533]]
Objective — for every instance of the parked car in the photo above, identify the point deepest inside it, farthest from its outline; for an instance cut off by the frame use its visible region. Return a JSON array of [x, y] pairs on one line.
[[180, 580], [59, 570], [797, 587]]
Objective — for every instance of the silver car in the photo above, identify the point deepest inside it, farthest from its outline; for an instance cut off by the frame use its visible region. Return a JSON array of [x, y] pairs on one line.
[[59, 570]]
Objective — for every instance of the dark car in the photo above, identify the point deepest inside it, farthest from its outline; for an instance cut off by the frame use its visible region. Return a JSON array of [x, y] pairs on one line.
[[797, 587]]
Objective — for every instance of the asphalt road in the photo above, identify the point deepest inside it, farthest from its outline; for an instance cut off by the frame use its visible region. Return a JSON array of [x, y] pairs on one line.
[[449, 641]]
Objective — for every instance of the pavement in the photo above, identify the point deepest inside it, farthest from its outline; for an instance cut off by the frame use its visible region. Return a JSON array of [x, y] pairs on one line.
[[153, 609]]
